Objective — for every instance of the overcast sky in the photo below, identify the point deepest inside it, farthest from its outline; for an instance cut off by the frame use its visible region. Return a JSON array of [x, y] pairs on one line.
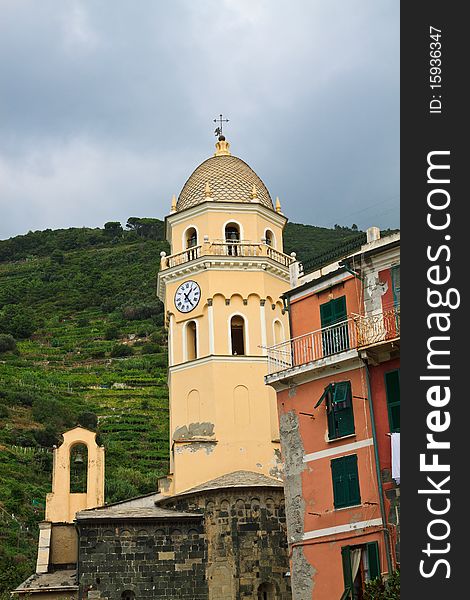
[[107, 106]]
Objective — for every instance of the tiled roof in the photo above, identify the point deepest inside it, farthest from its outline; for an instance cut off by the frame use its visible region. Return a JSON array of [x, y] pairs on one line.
[[237, 479], [44, 582], [230, 180]]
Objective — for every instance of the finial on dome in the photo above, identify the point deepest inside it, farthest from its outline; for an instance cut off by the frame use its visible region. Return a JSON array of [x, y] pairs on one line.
[[254, 192], [278, 205], [173, 203], [222, 147], [207, 191]]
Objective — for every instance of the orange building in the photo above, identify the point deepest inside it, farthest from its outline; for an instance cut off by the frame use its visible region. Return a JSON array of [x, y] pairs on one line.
[[338, 396]]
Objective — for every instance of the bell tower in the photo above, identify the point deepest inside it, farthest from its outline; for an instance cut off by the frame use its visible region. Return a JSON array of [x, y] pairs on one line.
[[221, 286]]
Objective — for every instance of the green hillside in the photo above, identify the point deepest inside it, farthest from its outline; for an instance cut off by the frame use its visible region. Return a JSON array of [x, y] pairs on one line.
[[82, 341]]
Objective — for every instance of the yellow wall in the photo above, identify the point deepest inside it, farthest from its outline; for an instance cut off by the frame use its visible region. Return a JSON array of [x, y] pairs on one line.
[[223, 418], [251, 294], [209, 219], [61, 505]]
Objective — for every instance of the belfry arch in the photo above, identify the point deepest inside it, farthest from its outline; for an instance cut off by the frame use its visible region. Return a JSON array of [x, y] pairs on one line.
[[62, 503]]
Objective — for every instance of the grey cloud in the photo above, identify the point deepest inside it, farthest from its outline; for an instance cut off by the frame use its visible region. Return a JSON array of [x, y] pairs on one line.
[[106, 108]]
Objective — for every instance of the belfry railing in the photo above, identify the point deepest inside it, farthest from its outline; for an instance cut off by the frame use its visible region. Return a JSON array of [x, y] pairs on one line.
[[236, 249]]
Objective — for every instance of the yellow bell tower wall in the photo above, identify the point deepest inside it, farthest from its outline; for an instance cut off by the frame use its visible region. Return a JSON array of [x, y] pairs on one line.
[[221, 287]]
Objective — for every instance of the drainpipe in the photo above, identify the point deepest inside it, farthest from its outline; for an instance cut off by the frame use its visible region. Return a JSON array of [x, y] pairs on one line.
[[377, 470]]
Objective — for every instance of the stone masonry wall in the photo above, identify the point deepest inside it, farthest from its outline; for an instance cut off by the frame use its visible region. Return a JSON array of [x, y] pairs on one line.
[[245, 530], [153, 559]]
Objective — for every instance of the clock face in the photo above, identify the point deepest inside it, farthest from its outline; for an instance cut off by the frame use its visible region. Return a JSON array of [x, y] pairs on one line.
[[187, 296]]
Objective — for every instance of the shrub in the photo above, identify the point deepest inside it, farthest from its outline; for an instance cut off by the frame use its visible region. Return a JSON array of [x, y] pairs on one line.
[[4, 412], [121, 350], [158, 337], [88, 420], [383, 590], [83, 322], [47, 437], [151, 349], [142, 311], [52, 413], [97, 354], [18, 321], [23, 438], [7, 343], [108, 306], [20, 398], [111, 332]]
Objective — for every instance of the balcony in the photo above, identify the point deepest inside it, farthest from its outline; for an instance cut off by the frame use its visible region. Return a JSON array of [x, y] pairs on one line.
[[235, 249], [355, 333]]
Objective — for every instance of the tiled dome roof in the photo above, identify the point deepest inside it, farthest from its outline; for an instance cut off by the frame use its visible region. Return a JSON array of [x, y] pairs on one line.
[[230, 179]]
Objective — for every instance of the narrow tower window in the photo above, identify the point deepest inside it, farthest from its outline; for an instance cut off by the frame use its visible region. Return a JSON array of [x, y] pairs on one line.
[[191, 238], [191, 243], [232, 239], [237, 330], [191, 340], [269, 238], [78, 469]]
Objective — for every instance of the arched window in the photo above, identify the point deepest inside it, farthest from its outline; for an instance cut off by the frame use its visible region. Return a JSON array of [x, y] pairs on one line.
[[269, 235], [232, 238], [191, 340], [266, 592], [78, 469], [128, 595], [237, 332], [191, 237]]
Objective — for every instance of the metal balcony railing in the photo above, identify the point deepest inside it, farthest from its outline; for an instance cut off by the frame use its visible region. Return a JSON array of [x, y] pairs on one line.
[[353, 333], [241, 249]]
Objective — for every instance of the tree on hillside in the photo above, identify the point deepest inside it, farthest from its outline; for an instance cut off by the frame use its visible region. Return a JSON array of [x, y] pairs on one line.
[[18, 321], [113, 228], [7, 343], [147, 228]]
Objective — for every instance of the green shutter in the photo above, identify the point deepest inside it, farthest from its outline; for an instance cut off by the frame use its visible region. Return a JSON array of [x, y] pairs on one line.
[[323, 396], [345, 480], [374, 560], [342, 391], [340, 490], [333, 311], [345, 422], [326, 314], [347, 572], [392, 386], [340, 411], [395, 275], [352, 477]]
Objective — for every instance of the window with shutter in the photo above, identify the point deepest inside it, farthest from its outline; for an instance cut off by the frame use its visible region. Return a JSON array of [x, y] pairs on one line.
[[368, 569], [334, 339], [339, 410], [345, 478], [373, 560], [392, 386], [395, 275], [347, 572]]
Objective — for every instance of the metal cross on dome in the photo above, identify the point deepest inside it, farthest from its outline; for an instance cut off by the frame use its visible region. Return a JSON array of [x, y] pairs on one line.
[[219, 130]]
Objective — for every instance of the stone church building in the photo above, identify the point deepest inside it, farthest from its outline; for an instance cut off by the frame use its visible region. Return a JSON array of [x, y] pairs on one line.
[[215, 528]]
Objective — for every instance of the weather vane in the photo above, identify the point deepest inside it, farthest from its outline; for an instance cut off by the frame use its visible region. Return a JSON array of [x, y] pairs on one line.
[[219, 130]]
